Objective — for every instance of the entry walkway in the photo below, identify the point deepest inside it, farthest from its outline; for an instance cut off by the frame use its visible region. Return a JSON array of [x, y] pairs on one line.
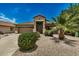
[[8, 45]]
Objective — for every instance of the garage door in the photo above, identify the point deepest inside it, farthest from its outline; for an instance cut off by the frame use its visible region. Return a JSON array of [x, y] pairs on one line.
[[21, 30]]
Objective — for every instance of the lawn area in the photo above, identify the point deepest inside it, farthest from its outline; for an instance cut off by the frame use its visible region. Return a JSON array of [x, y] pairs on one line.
[[51, 46]]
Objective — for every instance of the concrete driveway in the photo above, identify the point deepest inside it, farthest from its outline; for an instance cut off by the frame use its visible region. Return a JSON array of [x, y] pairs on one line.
[[8, 45]]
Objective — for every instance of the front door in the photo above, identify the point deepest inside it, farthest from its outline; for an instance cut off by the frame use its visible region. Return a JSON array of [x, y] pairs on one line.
[[39, 27]]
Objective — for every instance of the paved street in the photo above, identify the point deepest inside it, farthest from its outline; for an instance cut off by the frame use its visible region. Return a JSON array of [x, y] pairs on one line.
[[8, 45]]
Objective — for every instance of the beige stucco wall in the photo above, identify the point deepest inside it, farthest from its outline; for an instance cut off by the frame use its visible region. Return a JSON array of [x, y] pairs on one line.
[[4, 28], [21, 30]]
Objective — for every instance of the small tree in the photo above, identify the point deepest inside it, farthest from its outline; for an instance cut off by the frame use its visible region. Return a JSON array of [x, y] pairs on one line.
[[66, 22]]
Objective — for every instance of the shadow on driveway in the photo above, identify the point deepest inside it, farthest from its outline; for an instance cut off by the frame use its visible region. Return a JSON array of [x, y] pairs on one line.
[[66, 41], [70, 42]]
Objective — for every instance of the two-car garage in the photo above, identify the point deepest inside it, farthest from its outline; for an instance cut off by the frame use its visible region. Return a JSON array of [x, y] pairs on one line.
[[28, 27], [21, 30]]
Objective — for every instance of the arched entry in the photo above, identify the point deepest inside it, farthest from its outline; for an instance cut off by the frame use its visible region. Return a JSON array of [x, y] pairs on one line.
[[39, 27], [39, 23]]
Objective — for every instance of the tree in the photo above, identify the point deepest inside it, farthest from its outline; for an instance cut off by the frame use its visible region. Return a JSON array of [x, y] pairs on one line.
[[73, 8], [66, 22]]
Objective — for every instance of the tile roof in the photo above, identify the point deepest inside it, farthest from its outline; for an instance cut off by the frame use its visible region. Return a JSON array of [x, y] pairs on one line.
[[3, 23], [26, 24], [40, 15]]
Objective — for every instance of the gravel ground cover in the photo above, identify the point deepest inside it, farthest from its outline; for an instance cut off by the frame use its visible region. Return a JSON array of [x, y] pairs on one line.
[[51, 46]]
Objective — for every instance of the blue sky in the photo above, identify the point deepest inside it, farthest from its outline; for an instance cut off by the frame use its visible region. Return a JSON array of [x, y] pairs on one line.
[[24, 12]]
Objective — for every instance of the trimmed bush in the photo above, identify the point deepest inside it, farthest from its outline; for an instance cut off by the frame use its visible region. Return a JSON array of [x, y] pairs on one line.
[[37, 34], [51, 32], [69, 33], [27, 40], [48, 33], [77, 34]]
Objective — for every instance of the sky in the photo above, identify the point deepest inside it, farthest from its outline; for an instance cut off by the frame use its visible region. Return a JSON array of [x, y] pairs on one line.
[[24, 12]]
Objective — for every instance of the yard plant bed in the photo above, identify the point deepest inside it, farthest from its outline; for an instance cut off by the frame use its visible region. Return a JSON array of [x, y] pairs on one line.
[[46, 46]]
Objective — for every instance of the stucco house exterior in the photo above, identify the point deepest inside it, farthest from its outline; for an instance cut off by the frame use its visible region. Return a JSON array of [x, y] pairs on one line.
[[6, 27], [38, 25]]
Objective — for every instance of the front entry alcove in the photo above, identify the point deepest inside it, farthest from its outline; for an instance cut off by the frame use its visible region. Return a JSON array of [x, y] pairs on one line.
[[39, 23], [39, 26]]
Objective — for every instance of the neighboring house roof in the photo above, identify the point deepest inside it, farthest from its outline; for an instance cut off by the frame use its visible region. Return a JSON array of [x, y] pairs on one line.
[[3, 23], [27, 24]]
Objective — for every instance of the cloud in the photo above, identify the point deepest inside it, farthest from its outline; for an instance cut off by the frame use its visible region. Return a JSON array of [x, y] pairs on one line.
[[6, 19], [14, 20]]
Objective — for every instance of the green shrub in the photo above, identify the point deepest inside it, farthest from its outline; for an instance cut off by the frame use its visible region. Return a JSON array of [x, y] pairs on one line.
[[69, 33], [37, 34], [51, 31], [48, 33], [54, 30], [27, 40], [77, 34]]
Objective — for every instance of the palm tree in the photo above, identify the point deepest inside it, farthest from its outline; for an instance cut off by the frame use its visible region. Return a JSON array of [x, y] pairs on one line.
[[66, 22], [73, 8]]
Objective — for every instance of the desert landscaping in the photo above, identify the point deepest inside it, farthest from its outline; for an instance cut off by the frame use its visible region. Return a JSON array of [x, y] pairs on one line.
[[46, 46], [58, 36]]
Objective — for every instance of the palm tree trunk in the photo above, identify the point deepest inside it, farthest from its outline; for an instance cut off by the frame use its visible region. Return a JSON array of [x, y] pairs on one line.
[[61, 34]]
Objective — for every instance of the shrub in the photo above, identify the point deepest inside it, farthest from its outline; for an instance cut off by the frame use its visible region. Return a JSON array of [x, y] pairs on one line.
[[27, 40], [37, 34], [69, 33], [51, 31], [72, 34], [78, 34], [48, 33], [54, 30]]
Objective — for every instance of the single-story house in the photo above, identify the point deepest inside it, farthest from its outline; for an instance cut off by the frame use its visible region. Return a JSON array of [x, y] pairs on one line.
[[39, 25], [6, 27]]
